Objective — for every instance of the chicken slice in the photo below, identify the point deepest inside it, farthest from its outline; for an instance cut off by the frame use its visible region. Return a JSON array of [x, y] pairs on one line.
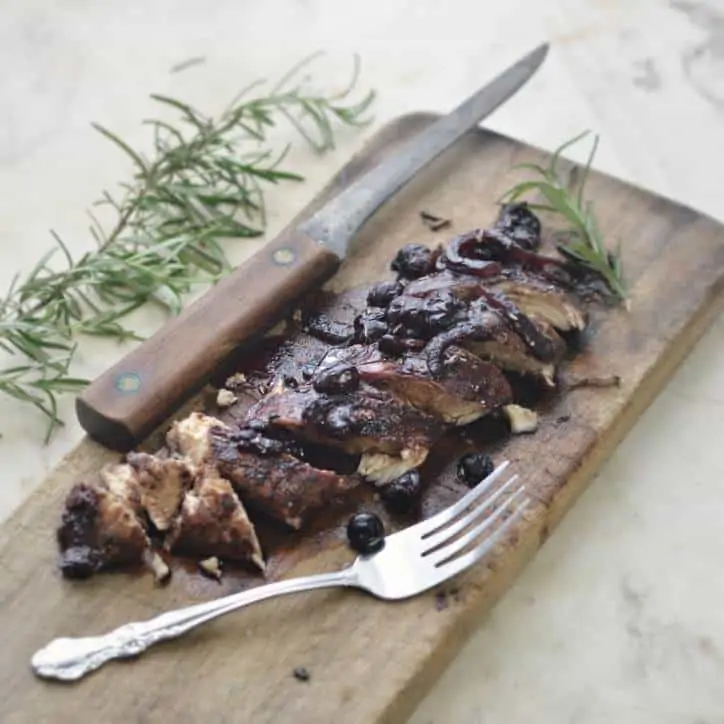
[[488, 336], [213, 522], [122, 480], [361, 421], [98, 530], [279, 484], [535, 297], [190, 438], [366, 421], [162, 483], [542, 300], [465, 388]]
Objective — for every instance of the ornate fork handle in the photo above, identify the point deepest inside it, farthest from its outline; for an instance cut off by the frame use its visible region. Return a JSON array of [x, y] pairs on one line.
[[68, 659]]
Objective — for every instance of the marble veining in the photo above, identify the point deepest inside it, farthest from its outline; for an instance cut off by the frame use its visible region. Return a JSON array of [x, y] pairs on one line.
[[647, 75], [703, 62], [618, 618]]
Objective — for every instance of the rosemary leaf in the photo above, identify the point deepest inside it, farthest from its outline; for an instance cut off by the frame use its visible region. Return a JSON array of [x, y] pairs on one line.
[[585, 245], [202, 186]]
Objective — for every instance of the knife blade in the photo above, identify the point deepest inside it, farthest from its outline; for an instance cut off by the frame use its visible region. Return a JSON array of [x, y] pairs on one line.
[[125, 403], [337, 222]]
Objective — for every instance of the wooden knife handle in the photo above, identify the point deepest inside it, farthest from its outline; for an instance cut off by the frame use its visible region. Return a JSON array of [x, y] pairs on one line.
[[128, 401]]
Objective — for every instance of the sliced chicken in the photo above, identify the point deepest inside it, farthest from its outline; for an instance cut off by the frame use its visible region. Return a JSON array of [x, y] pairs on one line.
[[162, 483], [98, 530], [542, 300], [486, 334], [533, 295], [190, 438], [122, 480], [464, 389], [264, 471], [365, 421], [279, 484], [213, 522]]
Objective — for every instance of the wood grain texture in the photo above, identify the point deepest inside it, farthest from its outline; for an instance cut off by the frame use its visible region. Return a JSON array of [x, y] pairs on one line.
[[370, 662]]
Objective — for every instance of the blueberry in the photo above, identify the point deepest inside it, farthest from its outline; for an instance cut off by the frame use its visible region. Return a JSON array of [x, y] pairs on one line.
[[402, 495], [340, 421], [302, 674], [413, 261], [337, 380], [474, 468], [382, 293], [369, 326], [365, 533], [425, 316], [391, 345], [520, 224]]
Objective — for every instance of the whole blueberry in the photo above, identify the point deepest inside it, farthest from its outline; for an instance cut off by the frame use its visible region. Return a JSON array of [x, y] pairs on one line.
[[474, 468], [366, 533], [413, 261], [382, 293], [402, 494], [337, 380]]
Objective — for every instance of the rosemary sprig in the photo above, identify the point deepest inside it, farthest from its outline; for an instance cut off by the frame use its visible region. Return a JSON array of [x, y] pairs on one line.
[[202, 184], [584, 244]]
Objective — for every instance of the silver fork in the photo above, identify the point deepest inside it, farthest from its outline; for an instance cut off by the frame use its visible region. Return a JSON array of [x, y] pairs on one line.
[[412, 561]]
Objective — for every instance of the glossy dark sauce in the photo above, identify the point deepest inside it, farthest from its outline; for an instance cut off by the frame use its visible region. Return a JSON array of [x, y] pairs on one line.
[[410, 312]]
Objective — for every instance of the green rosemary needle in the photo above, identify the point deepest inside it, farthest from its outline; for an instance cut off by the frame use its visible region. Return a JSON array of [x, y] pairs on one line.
[[202, 184], [584, 243]]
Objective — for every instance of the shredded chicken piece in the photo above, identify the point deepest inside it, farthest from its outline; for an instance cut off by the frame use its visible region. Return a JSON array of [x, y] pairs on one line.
[[190, 437], [225, 398], [122, 480], [98, 530], [382, 469], [162, 483], [235, 381], [158, 566], [213, 522], [211, 567], [521, 419]]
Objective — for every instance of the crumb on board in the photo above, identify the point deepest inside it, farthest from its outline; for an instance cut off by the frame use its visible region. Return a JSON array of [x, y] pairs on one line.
[[443, 596], [225, 398], [302, 674], [563, 418], [158, 566], [211, 568], [235, 381], [521, 419], [594, 381], [434, 222]]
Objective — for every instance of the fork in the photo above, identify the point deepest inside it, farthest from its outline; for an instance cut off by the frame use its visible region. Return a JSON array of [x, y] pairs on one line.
[[412, 561]]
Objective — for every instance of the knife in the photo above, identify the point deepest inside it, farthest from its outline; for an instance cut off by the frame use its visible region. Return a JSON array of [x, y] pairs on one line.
[[128, 401]]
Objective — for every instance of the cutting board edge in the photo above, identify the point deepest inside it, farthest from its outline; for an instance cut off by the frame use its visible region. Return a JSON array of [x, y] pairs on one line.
[[388, 128], [432, 669], [430, 116], [411, 693]]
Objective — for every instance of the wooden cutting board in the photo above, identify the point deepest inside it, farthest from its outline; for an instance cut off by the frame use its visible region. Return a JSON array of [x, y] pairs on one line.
[[369, 661]]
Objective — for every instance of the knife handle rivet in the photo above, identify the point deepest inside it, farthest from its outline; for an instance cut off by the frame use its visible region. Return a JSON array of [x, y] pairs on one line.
[[284, 256], [128, 383]]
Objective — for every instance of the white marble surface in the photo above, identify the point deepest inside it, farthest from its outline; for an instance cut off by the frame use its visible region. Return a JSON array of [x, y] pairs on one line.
[[619, 616]]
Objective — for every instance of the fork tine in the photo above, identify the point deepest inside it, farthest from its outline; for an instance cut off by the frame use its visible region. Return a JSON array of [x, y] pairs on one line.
[[443, 534], [461, 563], [457, 546], [430, 526]]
